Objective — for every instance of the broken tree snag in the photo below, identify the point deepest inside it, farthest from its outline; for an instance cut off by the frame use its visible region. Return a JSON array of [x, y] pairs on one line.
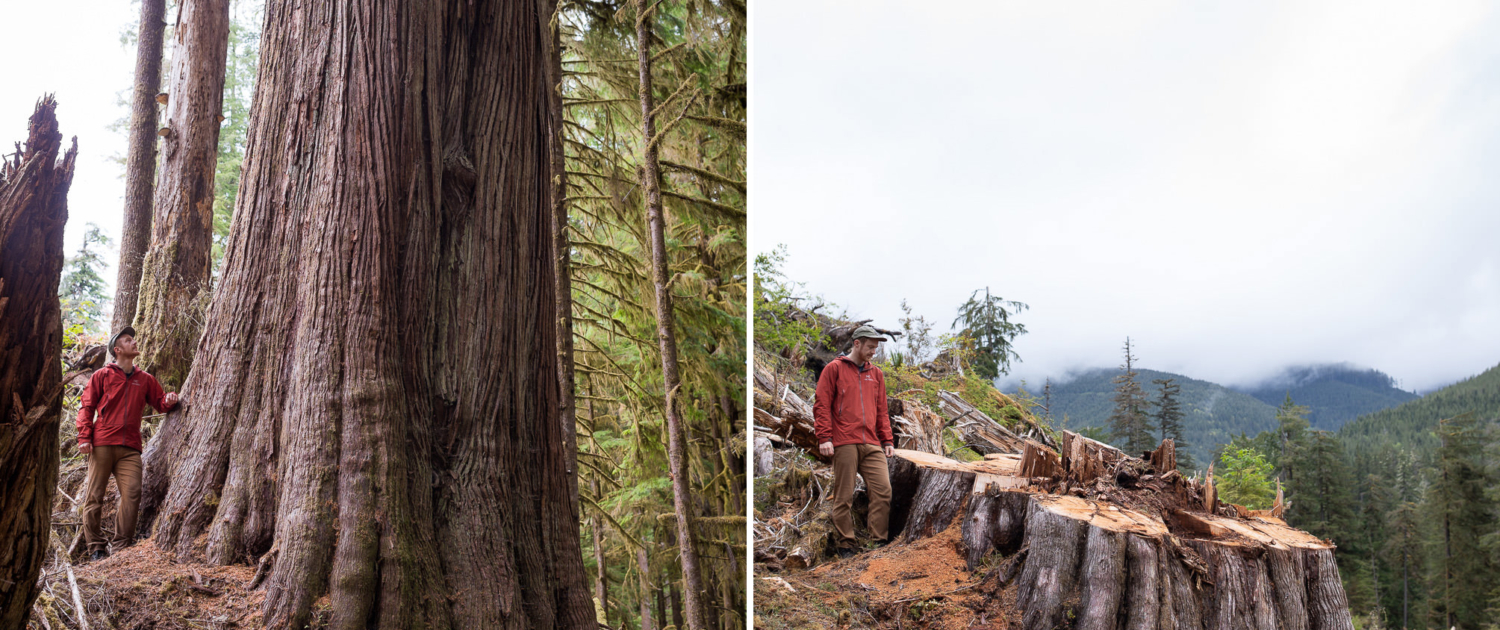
[[1086, 459], [1164, 458], [1210, 493], [1039, 461], [34, 187], [918, 429], [976, 428]]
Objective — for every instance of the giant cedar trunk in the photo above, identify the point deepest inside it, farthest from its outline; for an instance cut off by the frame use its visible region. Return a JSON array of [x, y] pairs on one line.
[[175, 278], [140, 165], [33, 208], [676, 435], [373, 409]]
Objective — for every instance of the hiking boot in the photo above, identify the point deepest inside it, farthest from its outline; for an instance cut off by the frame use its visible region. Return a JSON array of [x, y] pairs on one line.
[[98, 554], [846, 552]]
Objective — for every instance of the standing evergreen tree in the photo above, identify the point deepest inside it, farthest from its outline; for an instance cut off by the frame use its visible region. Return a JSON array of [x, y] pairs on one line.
[[1129, 424], [1169, 420], [987, 321], [1457, 502], [1321, 485], [82, 291]]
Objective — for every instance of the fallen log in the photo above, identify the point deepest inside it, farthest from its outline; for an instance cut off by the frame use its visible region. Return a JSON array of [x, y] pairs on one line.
[[977, 428]]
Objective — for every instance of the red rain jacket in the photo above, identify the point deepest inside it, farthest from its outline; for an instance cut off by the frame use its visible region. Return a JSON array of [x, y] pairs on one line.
[[118, 399], [851, 405]]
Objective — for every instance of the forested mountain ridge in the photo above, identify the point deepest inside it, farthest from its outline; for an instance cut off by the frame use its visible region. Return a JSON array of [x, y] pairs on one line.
[[1412, 425], [1335, 394]]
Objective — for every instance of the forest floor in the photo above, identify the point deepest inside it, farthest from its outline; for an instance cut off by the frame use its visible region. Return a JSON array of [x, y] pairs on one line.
[[924, 584]]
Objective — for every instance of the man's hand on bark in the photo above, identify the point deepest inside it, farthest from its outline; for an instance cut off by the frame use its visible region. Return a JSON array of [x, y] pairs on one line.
[[826, 449], [86, 448], [170, 400], [890, 451]]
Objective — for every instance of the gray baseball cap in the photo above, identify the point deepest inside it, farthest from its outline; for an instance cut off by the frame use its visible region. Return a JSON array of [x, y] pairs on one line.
[[116, 337], [868, 332]]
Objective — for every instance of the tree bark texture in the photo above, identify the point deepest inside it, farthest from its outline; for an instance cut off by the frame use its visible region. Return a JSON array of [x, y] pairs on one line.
[[33, 209], [1091, 564], [140, 163], [666, 337], [176, 276], [373, 410]]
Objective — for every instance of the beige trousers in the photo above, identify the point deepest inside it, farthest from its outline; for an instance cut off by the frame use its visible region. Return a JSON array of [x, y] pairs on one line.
[[869, 461], [125, 464]]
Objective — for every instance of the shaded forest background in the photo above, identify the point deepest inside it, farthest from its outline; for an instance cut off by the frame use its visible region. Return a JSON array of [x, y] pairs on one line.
[[698, 82]]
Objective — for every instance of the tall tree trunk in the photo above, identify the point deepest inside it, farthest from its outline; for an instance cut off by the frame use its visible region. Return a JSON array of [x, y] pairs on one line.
[[561, 256], [176, 277], [676, 436], [643, 565], [140, 164], [33, 208], [373, 410]]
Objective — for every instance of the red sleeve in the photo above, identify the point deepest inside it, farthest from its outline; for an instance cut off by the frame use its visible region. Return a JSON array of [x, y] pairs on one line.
[[85, 421], [154, 393], [883, 416], [823, 404]]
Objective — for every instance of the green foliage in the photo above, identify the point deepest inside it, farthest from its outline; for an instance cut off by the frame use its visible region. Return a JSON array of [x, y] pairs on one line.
[[779, 324], [82, 290], [1464, 576], [1129, 423], [1168, 418], [1245, 479], [239, 87], [918, 335], [988, 322], [698, 79]]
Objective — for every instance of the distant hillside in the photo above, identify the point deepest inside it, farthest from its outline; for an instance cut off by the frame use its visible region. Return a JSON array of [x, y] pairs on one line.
[[1411, 426], [1336, 393], [1214, 413]]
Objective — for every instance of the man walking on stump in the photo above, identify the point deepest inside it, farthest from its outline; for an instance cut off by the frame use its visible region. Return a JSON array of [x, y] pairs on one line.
[[854, 428], [112, 441]]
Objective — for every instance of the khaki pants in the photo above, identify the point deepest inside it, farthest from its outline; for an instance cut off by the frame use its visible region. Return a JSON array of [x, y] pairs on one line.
[[125, 464], [869, 461]]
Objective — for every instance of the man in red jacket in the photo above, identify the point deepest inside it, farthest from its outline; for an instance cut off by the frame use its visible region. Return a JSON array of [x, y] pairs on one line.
[[854, 428], [112, 441]]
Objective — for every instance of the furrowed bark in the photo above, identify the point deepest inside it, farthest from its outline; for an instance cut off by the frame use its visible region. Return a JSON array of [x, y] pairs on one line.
[[1102, 580], [33, 209], [176, 275], [140, 163], [374, 406], [650, 173], [939, 498], [1051, 572]]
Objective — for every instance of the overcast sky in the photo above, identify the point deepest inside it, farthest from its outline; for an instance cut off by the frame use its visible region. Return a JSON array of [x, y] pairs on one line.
[[1237, 188], [72, 48]]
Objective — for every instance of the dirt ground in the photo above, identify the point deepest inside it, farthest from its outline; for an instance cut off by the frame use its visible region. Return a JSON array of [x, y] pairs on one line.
[[924, 584]]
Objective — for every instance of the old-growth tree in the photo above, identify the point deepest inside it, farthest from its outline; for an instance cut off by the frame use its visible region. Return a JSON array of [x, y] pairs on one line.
[[33, 208], [140, 164], [1129, 423], [373, 410], [176, 277]]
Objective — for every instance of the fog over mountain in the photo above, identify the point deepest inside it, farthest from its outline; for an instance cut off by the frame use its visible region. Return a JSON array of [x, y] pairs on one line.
[[1239, 189]]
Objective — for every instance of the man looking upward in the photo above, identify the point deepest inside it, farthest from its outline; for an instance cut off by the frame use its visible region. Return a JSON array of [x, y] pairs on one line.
[[112, 442], [854, 428]]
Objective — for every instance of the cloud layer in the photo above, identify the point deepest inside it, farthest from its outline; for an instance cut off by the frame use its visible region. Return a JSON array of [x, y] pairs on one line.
[[1238, 189]]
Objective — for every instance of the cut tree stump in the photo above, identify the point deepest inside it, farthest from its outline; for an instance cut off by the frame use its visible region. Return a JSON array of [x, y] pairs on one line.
[[1093, 564]]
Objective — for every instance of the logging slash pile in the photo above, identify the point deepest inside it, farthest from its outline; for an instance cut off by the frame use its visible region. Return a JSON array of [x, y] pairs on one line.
[[1038, 531]]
